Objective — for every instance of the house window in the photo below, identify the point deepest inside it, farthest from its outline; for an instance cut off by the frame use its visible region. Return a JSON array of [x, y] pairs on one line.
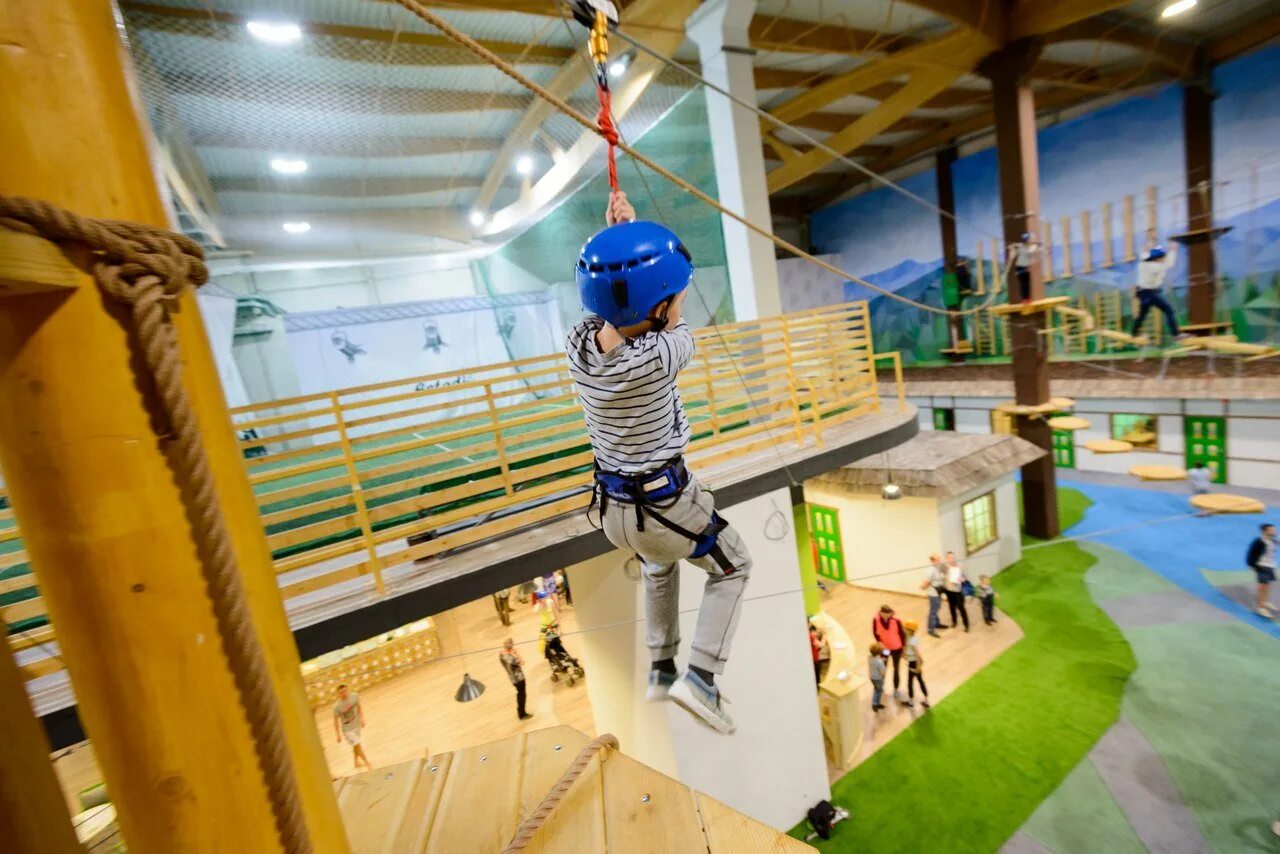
[[944, 419], [1138, 430], [979, 516]]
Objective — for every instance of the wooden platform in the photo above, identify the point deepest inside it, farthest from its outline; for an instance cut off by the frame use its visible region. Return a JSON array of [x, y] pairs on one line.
[[1109, 446], [472, 800], [1046, 304], [1122, 337], [1070, 422], [1158, 473], [1221, 502]]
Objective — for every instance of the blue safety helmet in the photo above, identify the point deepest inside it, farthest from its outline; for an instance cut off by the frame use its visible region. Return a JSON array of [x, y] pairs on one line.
[[1156, 253], [627, 269]]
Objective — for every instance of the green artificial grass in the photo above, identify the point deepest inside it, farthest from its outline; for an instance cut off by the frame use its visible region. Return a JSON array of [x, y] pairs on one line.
[[968, 774], [1072, 504]]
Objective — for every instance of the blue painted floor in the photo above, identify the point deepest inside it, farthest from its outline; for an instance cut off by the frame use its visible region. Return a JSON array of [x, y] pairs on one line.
[[1129, 519]]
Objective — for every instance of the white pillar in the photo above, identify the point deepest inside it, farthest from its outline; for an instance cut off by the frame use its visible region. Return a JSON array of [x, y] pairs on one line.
[[773, 768], [719, 28]]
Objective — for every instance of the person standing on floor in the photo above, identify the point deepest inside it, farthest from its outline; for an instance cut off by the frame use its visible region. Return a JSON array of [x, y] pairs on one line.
[[1200, 478], [933, 589], [915, 666], [987, 594], [876, 670], [889, 633], [514, 665], [1262, 560], [348, 716], [1151, 273], [953, 585]]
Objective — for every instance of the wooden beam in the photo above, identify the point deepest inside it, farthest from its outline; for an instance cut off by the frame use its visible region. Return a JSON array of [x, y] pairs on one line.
[[768, 32], [1253, 36], [1044, 16], [980, 15], [227, 26], [924, 83], [833, 122], [343, 97], [1174, 54], [956, 52]]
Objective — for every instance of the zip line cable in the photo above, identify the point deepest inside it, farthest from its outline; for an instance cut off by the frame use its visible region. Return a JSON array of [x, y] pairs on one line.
[[427, 16]]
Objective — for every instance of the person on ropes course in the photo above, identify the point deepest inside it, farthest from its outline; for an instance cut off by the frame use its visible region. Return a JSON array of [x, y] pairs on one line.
[[624, 358]]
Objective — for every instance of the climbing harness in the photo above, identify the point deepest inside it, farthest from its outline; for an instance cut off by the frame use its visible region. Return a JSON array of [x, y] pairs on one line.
[[655, 491]]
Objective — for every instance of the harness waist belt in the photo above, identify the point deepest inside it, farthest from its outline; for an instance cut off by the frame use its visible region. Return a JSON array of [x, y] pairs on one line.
[[658, 485]]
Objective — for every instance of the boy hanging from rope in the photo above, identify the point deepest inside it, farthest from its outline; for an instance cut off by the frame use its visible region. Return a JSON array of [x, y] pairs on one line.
[[624, 358]]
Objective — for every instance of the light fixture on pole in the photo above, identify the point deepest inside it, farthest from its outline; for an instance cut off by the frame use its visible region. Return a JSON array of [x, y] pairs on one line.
[[469, 690], [1177, 8], [890, 491], [274, 32]]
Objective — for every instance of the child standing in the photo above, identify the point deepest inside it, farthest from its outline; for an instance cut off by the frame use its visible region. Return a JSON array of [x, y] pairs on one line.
[[877, 669], [987, 594], [624, 358], [915, 666]]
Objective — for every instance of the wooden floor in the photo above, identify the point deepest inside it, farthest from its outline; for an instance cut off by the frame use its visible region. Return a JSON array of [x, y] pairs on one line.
[[474, 799], [949, 660]]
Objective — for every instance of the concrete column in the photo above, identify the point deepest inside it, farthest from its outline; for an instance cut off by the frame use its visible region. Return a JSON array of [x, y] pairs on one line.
[[719, 28], [773, 768], [1019, 167], [1202, 273]]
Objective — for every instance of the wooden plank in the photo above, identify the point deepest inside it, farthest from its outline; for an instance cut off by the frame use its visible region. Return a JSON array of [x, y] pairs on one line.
[[1066, 247], [730, 832], [26, 581], [420, 812], [320, 582], [1108, 240], [31, 264], [23, 610], [646, 812], [478, 807], [31, 637], [1129, 241], [578, 822], [1086, 242], [373, 805]]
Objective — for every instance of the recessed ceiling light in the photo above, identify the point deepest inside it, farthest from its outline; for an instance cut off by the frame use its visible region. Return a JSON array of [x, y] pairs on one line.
[[1177, 8], [617, 68], [524, 165], [289, 166], [477, 218], [296, 227], [274, 32]]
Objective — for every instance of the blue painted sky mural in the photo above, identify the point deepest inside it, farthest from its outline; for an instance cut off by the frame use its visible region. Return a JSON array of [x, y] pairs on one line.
[[1098, 157]]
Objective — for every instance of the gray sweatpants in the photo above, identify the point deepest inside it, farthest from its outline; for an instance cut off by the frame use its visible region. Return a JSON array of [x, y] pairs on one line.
[[661, 550]]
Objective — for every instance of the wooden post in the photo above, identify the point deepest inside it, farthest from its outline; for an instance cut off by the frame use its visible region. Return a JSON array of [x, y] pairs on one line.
[[1067, 269], [1153, 214], [503, 464], [1108, 241], [1086, 243], [947, 227], [1046, 255], [357, 492], [981, 271], [1000, 264], [1130, 252], [1009, 70], [33, 813], [101, 515], [793, 388], [1197, 122]]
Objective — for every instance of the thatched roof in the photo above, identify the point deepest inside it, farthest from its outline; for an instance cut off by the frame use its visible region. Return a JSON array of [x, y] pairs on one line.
[[936, 463]]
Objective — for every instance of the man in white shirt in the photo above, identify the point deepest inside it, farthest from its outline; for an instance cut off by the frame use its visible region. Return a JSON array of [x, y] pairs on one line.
[[954, 587], [1024, 254], [349, 715], [1151, 274]]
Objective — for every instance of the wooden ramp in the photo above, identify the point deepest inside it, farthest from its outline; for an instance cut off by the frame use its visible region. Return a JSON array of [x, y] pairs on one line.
[[473, 800]]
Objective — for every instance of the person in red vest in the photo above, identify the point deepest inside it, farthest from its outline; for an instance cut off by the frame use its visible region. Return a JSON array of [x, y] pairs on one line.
[[890, 634]]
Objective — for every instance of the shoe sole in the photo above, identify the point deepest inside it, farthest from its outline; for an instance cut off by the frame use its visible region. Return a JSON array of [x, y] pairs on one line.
[[704, 715], [652, 697]]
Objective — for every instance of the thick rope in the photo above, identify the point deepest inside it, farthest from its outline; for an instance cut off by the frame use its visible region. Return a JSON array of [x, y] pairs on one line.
[[606, 129], [146, 268], [560, 104], [530, 826]]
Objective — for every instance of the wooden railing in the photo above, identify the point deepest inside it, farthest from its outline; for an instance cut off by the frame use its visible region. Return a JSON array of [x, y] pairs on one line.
[[354, 482]]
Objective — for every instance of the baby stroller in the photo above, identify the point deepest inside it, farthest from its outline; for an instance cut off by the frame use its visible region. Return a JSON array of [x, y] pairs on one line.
[[562, 663]]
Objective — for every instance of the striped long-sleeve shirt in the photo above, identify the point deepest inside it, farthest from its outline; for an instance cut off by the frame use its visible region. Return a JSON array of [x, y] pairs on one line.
[[629, 396]]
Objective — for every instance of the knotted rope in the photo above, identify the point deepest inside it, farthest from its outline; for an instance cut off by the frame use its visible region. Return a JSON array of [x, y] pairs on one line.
[[147, 268], [528, 827], [610, 133]]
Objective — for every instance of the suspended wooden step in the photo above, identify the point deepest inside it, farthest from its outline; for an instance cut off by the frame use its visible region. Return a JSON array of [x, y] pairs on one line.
[[1158, 473], [1035, 305], [1109, 446], [1084, 317], [1070, 422], [1063, 403], [473, 800], [1121, 337], [1221, 502], [1054, 404]]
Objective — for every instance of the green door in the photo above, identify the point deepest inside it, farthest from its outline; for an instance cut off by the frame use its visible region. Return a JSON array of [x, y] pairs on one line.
[[1206, 442], [944, 419], [824, 527], [1064, 449]]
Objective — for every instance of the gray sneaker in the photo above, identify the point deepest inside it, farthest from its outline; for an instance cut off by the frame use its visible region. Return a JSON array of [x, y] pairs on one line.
[[660, 682], [703, 701]]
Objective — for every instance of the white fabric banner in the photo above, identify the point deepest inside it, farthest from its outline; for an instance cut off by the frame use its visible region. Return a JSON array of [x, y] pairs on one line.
[[219, 313]]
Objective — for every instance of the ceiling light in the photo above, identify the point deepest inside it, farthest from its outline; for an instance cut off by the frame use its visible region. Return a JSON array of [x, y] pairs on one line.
[[274, 32], [1177, 8], [287, 166], [477, 218], [617, 68], [524, 165], [296, 227]]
